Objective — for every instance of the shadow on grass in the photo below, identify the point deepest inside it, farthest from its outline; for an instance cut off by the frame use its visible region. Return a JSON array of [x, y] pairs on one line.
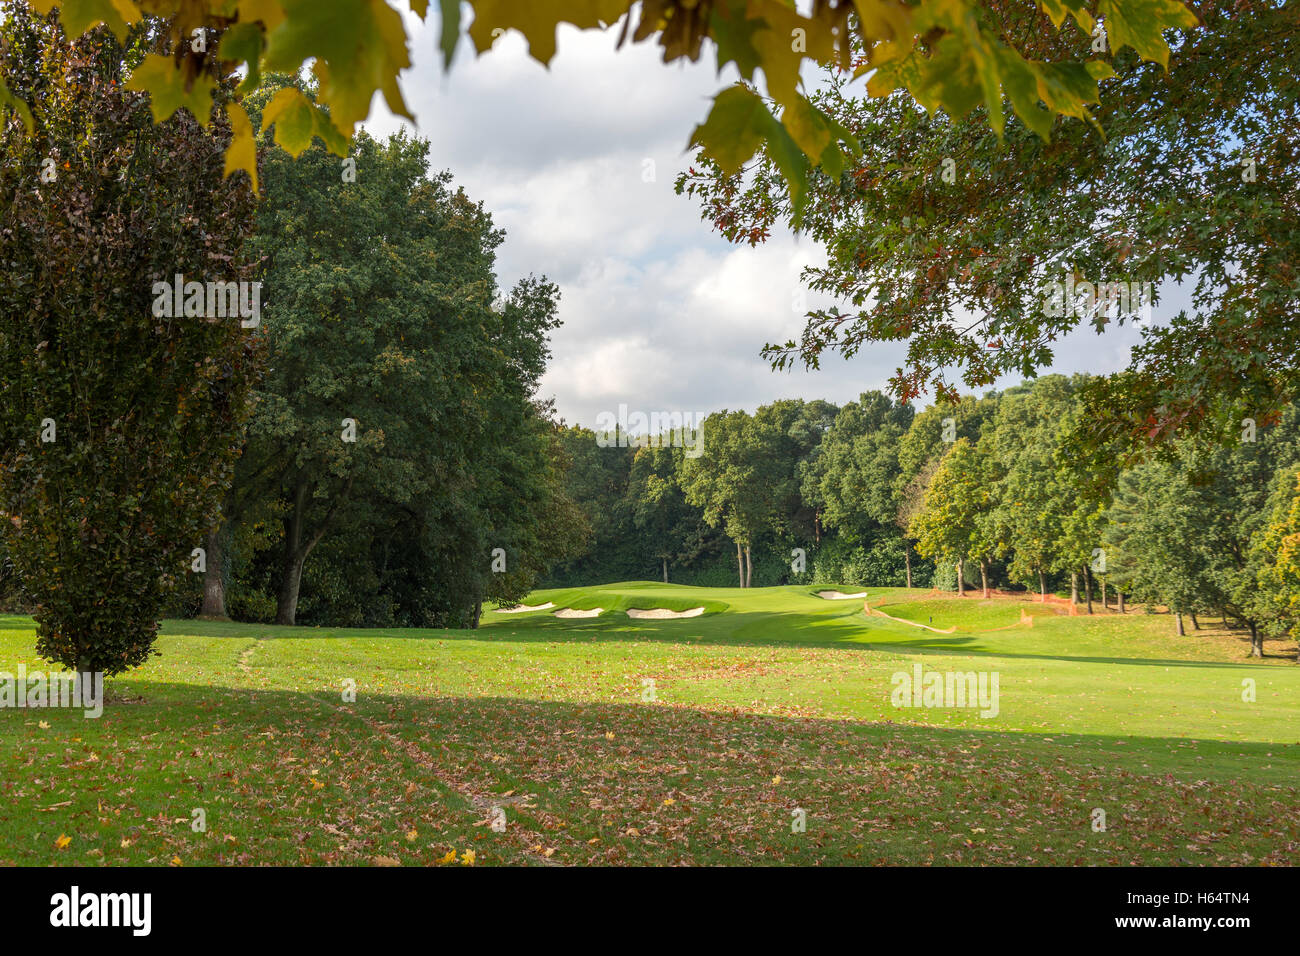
[[160, 705]]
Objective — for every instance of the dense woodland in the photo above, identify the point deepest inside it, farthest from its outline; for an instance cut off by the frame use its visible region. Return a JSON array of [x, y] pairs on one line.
[[1005, 491]]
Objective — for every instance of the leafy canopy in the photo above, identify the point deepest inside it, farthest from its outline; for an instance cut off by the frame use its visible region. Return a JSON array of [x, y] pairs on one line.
[[951, 55]]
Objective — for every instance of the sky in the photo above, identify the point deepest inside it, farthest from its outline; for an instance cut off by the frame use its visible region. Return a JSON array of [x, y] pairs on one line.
[[577, 163]]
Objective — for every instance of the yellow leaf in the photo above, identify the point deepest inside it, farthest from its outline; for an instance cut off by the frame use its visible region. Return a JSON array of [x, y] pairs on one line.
[[44, 725], [448, 857], [78, 16], [467, 858], [176, 861], [539, 21], [63, 841], [411, 835], [242, 151], [268, 11], [776, 779], [159, 76], [669, 802]]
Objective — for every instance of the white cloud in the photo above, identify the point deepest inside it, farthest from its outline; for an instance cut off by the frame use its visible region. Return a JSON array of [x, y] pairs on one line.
[[659, 312]]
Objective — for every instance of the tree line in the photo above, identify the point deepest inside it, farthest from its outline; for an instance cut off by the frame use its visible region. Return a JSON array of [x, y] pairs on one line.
[[1008, 490]]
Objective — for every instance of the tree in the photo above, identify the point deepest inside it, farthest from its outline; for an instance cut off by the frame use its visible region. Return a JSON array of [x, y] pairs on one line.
[[1275, 554], [949, 237], [726, 484], [120, 416], [1187, 526], [596, 479], [1149, 540], [854, 475], [358, 48], [659, 509], [951, 524], [1032, 499], [395, 370]]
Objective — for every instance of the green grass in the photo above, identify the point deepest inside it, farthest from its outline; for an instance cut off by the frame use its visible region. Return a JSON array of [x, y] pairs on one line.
[[774, 700]]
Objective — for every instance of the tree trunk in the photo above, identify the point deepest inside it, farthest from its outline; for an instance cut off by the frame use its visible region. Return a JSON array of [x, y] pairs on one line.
[[286, 606], [907, 560], [214, 586], [1196, 625], [1087, 586], [296, 550], [478, 615], [749, 568], [1105, 602], [1256, 640], [1120, 592], [1074, 587], [961, 581], [1178, 624], [665, 561], [984, 576], [1042, 586], [817, 526], [740, 563], [286, 609]]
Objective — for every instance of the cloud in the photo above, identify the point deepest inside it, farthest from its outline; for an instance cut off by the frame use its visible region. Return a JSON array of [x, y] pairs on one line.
[[577, 164]]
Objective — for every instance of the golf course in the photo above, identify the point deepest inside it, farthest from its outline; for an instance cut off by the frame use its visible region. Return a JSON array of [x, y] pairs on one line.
[[763, 729]]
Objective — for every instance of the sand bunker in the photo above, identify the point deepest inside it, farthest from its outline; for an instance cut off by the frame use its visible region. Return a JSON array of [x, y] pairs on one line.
[[519, 609], [662, 613], [839, 595], [571, 612]]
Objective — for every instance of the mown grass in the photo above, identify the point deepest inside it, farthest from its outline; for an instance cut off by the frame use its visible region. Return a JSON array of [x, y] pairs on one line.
[[613, 740]]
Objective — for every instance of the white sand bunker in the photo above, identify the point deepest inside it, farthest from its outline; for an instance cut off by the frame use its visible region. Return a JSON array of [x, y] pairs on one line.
[[839, 595], [520, 608], [572, 612], [662, 613]]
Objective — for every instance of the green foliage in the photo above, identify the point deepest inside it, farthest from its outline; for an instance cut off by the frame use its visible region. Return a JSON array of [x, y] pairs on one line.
[[118, 429], [1275, 555], [950, 54], [396, 368], [947, 236]]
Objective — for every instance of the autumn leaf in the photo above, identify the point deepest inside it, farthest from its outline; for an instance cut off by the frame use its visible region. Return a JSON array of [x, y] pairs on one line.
[[158, 77], [242, 152], [63, 841], [78, 16]]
